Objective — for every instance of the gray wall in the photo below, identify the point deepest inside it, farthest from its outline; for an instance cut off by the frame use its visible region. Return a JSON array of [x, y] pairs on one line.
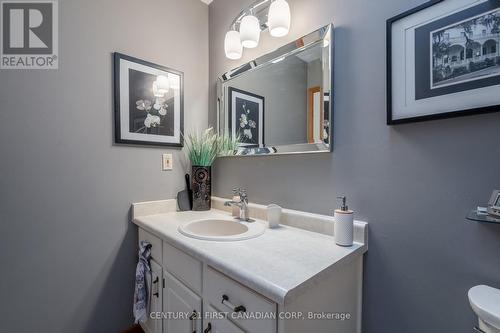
[[284, 87], [67, 248], [413, 183]]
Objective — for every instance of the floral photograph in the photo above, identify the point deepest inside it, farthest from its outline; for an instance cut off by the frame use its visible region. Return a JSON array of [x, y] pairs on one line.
[[149, 108], [246, 117], [149, 103]]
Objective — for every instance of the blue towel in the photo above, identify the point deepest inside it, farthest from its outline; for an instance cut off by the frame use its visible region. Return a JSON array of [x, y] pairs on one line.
[[142, 283]]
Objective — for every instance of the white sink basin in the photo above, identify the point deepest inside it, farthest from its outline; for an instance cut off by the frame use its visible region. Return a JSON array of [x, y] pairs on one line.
[[221, 230]]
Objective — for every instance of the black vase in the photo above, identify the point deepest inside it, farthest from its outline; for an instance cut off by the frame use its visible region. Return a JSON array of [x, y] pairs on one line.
[[202, 187]]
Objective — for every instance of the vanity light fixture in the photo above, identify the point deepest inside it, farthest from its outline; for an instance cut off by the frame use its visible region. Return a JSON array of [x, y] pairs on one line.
[[161, 86], [279, 18], [156, 93], [232, 45], [246, 27], [249, 31]]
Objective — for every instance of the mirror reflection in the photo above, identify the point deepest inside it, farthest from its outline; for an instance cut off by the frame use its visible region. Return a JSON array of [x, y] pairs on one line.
[[281, 103]]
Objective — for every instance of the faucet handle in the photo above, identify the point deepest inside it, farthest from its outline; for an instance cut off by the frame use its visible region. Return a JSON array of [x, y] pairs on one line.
[[243, 194]]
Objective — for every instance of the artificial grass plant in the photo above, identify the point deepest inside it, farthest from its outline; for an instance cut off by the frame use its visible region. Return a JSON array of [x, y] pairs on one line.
[[203, 148]]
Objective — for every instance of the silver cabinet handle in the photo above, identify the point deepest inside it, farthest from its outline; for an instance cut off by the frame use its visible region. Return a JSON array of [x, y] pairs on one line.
[[239, 308]]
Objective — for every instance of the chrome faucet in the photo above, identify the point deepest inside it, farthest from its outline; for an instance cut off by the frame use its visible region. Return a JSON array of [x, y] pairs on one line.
[[242, 204]]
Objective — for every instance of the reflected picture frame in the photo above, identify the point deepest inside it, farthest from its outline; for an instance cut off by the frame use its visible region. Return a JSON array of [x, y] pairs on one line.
[[246, 119]]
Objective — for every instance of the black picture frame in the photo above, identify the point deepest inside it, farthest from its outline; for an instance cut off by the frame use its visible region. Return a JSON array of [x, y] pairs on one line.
[[261, 121], [389, 72], [118, 108]]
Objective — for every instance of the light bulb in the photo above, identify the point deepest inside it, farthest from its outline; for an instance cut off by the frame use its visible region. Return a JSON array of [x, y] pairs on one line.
[[250, 31], [232, 45], [156, 93], [279, 18]]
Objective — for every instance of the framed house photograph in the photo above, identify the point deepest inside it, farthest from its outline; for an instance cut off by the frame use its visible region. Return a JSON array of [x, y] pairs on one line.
[[443, 60], [148, 103], [246, 117]]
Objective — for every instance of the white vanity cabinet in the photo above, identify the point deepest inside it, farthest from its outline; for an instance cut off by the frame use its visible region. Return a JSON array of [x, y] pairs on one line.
[[287, 280], [156, 296], [174, 307], [183, 305], [227, 295], [190, 297]]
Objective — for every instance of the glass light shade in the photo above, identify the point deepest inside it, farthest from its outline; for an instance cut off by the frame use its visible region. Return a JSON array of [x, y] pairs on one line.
[[232, 45], [161, 86], [156, 91], [250, 31], [279, 18]]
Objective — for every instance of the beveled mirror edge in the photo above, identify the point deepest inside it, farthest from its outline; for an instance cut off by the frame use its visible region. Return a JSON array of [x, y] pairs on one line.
[[284, 51]]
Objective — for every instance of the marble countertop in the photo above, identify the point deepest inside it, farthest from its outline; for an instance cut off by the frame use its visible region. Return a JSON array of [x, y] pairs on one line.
[[280, 264]]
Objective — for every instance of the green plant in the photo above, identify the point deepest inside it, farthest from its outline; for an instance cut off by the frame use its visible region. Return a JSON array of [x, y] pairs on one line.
[[228, 145], [203, 148]]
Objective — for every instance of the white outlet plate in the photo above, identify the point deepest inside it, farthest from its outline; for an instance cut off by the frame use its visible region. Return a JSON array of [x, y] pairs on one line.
[[167, 162]]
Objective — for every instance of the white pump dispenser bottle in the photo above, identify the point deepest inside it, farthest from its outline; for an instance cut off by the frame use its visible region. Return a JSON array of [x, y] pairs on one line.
[[344, 224]]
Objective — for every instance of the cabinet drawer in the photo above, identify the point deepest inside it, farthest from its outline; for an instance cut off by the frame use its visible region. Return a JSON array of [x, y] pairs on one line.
[[227, 295], [184, 267], [216, 323], [155, 242]]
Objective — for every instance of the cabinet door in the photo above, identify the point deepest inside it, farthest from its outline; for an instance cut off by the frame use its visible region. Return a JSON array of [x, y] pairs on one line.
[[181, 306], [216, 323], [156, 299]]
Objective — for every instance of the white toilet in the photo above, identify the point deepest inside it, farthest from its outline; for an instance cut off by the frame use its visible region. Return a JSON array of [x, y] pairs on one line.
[[485, 301]]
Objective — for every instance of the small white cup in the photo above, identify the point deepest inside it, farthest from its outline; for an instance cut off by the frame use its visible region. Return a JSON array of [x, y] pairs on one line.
[[274, 215]]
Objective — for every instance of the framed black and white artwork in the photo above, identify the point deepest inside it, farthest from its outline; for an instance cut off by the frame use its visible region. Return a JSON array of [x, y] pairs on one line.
[[246, 117], [148, 103], [443, 60]]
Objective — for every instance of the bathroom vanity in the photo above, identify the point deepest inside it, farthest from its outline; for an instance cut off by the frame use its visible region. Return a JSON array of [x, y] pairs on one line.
[[291, 279]]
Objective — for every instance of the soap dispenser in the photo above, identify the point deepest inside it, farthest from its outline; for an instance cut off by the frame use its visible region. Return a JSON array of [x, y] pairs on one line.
[[344, 224]]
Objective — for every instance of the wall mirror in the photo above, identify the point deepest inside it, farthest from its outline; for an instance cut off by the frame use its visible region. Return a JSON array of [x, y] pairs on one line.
[[281, 102]]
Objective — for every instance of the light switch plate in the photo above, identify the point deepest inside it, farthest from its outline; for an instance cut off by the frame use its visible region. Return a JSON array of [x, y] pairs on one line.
[[167, 162]]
